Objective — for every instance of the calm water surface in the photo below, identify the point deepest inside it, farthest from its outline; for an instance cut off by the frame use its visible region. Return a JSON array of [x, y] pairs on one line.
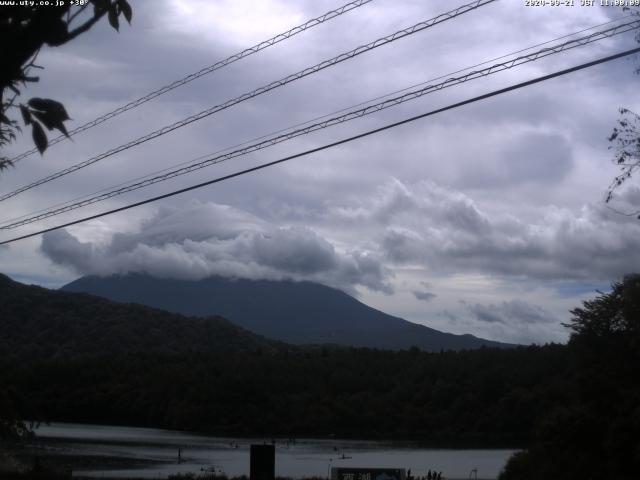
[[304, 458]]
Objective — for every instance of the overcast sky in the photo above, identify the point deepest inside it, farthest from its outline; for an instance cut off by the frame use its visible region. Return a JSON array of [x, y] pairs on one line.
[[487, 219]]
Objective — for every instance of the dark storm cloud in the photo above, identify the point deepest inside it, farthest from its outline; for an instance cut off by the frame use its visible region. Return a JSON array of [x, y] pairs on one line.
[[210, 239]]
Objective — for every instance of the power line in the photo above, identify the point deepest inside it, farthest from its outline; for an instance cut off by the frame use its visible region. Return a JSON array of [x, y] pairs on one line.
[[205, 71], [333, 144], [259, 91], [352, 115], [472, 66], [68, 206], [326, 115], [344, 109], [306, 122]]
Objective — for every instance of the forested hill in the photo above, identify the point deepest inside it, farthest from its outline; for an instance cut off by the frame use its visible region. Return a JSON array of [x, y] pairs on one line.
[[293, 312], [37, 323]]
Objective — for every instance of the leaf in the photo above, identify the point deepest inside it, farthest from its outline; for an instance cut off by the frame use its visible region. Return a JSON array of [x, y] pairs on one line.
[[5, 163], [125, 8], [52, 106], [50, 113], [63, 129], [46, 119], [113, 16], [26, 114], [4, 119], [39, 103], [39, 137], [51, 122]]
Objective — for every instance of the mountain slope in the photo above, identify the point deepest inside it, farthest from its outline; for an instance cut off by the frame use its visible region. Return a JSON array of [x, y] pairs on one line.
[[294, 312], [37, 323]]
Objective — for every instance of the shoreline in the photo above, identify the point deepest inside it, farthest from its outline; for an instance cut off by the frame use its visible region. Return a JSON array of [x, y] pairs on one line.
[[468, 443], [91, 451]]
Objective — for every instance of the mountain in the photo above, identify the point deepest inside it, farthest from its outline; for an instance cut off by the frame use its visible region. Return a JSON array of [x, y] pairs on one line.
[[37, 323], [293, 312]]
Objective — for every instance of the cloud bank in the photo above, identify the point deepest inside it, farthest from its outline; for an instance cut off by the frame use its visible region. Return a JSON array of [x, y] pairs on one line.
[[210, 239], [421, 225], [445, 231]]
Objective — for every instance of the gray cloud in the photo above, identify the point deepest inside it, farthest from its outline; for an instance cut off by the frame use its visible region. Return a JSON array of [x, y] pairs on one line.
[[626, 200], [515, 321], [424, 296], [449, 316], [486, 314], [443, 229], [525, 157], [210, 239], [511, 313]]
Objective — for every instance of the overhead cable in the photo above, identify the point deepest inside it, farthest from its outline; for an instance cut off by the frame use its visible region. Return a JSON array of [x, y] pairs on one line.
[[354, 114], [259, 91], [333, 144], [205, 71]]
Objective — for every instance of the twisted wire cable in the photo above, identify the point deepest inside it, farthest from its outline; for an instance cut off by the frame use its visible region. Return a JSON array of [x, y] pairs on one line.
[[205, 71], [354, 114], [259, 91], [333, 144], [315, 119]]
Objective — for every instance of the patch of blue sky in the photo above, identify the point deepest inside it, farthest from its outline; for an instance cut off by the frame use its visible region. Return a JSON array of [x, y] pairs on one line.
[[580, 289]]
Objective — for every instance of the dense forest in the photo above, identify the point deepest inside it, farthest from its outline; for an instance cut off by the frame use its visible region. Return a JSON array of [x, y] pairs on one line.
[[480, 398], [37, 323], [575, 409]]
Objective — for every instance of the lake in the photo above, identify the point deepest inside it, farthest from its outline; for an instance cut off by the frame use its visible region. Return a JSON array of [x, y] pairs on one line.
[[146, 453]]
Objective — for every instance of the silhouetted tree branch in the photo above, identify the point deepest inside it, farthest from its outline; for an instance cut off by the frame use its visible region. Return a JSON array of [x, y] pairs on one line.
[[626, 143], [24, 30]]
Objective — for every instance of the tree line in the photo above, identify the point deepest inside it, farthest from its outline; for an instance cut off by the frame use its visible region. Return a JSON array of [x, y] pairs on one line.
[[473, 398]]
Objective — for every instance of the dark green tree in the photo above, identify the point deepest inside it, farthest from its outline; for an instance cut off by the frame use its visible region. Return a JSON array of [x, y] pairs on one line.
[[595, 434], [24, 30], [612, 317]]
